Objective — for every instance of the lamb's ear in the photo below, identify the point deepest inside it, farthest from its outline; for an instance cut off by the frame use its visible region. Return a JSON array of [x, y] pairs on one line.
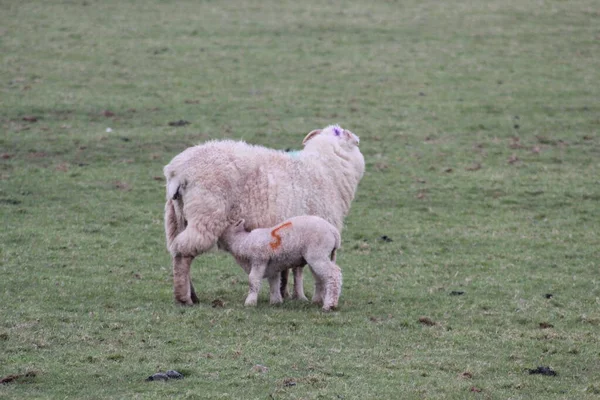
[[173, 189], [311, 135]]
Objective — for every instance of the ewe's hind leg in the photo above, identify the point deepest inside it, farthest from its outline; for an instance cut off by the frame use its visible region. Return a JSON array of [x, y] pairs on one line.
[[195, 239], [254, 279], [193, 295], [298, 285], [182, 286], [274, 288]]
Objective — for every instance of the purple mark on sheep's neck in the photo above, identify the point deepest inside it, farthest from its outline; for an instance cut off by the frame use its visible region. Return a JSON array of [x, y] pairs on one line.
[[337, 130]]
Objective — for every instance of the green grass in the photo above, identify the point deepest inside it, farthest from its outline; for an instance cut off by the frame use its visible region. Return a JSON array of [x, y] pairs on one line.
[[479, 124]]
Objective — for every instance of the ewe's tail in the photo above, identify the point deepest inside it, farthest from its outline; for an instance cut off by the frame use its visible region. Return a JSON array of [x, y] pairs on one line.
[[174, 220]]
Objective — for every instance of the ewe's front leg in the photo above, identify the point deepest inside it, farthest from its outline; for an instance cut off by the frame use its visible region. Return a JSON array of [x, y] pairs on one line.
[[254, 279], [283, 283], [299, 285], [274, 288], [182, 285]]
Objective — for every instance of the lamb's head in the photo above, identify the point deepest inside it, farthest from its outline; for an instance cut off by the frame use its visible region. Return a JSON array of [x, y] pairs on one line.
[[231, 233], [343, 142]]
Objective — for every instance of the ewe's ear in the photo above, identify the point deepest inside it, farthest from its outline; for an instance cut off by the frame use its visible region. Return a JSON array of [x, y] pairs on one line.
[[311, 135], [351, 137]]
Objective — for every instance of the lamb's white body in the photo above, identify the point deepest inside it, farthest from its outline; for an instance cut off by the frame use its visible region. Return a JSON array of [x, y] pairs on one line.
[[211, 184], [265, 253]]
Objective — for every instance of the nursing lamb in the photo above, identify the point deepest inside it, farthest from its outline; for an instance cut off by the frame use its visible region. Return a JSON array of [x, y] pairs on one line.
[[264, 253], [210, 184]]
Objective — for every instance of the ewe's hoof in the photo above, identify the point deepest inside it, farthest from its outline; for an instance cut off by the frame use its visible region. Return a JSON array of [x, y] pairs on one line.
[[195, 299], [184, 302]]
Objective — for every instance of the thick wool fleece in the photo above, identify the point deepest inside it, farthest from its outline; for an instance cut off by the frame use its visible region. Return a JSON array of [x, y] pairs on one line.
[[264, 253], [219, 181]]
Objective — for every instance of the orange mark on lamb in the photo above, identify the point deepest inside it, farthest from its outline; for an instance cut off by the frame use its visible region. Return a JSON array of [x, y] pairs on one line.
[[277, 239]]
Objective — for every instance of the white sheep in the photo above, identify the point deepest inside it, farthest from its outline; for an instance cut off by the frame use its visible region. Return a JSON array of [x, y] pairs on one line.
[[212, 183], [264, 253]]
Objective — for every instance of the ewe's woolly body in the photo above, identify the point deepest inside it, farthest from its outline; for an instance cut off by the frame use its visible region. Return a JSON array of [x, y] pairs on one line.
[[216, 182]]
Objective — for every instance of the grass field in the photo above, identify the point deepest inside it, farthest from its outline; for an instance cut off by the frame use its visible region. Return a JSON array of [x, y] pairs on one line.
[[479, 122]]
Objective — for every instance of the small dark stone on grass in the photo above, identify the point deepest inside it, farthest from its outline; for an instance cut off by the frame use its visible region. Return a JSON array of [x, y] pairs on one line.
[[386, 239], [548, 295], [125, 139], [516, 126], [217, 303], [12, 378], [174, 374], [427, 321], [181, 122], [543, 371], [159, 376], [457, 293], [165, 376], [288, 382]]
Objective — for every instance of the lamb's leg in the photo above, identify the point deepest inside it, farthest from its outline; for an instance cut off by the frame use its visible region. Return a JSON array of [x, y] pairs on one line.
[[328, 282], [274, 288], [182, 285], [254, 278], [299, 285], [319, 288], [333, 288]]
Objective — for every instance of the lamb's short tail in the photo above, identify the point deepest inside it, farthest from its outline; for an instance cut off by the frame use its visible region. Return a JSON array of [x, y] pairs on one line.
[[338, 243]]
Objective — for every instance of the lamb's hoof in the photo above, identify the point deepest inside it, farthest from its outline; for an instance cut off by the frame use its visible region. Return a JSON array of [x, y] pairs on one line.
[[250, 303], [300, 298], [276, 302]]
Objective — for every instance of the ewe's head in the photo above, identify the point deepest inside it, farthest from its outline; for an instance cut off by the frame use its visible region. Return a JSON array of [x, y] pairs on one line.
[[334, 134], [341, 142]]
